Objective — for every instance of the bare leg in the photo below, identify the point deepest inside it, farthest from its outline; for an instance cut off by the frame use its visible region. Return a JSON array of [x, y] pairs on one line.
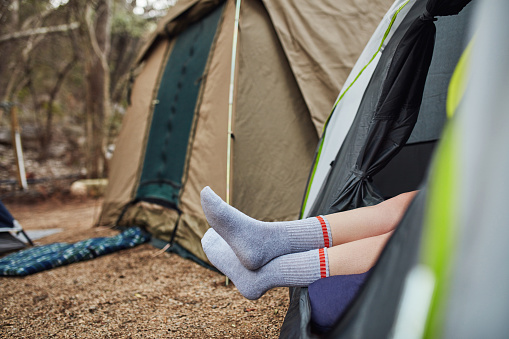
[[357, 256], [366, 222]]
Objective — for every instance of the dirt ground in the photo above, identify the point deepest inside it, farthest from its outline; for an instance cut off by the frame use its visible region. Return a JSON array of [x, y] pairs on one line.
[[135, 293]]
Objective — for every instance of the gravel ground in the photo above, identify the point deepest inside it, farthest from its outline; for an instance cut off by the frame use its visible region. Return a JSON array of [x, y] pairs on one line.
[[135, 293]]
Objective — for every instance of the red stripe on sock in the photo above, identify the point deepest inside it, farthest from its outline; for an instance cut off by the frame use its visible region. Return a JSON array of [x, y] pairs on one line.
[[324, 230], [323, 264]]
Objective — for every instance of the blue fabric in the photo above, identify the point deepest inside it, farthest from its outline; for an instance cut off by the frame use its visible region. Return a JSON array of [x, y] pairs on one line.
[[5, 217], [37, 259], [330, 296]]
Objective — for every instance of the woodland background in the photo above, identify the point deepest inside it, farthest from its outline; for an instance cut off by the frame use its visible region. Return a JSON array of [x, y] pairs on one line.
[[66, 68]]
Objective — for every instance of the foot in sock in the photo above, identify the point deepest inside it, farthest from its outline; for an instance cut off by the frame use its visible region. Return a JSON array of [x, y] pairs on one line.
[[255, 242], [298, 269]]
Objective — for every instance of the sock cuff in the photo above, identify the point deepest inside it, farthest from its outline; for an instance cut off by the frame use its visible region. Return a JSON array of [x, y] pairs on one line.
[[299, 269], [324, 262], [304, 234], [326, 230]]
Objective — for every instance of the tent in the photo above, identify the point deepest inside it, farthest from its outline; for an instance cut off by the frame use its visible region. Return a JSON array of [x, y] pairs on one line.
[[240, 110], [454, 279], [9, 228], [378, 143]]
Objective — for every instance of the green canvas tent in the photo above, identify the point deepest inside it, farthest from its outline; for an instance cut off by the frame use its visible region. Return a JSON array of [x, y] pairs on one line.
[[291, 58]]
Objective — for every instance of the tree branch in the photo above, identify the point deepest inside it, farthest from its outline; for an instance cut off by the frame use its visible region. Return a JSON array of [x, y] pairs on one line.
[[39, 31], [93, 40]]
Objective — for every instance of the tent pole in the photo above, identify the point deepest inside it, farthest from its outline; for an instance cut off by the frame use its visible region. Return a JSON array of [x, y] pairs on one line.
[[18, 151], [230, 103], [230, 108]]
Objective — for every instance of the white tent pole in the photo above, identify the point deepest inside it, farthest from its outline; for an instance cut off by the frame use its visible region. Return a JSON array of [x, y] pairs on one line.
[[18, 151], [230, 103]]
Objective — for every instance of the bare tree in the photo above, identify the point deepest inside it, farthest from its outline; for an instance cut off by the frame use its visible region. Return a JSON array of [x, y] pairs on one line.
[[9, 22], [46, 136], [23, 42], [98, 21], [39, 31], [18, 40], [32, 31]]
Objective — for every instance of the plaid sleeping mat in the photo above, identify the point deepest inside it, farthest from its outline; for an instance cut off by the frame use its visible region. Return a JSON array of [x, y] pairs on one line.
[[37, 259]]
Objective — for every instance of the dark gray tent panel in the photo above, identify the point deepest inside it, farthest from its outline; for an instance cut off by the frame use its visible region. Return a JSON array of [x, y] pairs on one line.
[[406, 171], [6, 218], [9, 243], [381, 129], [475, 303], [357, 163], [374, 310]]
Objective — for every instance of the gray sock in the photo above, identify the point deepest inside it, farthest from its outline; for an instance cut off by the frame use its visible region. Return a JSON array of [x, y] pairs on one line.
[[297, 269], [255, 242]]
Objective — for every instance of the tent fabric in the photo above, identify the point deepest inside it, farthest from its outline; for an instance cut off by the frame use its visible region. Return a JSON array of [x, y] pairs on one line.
[[343, 29], [486, 257], [465, 236], [37, 259], [273, 119], [171, 119], [6, 218], [130, 141], [344, 165], [441, 222], [432, 115], [8, 228], [9, 243], [349, 99], [211, 129], [356, 167], [167, 225], [473, 301], [183, 13], [371, 313], [409, 165], [396, 111], [279, 135]]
